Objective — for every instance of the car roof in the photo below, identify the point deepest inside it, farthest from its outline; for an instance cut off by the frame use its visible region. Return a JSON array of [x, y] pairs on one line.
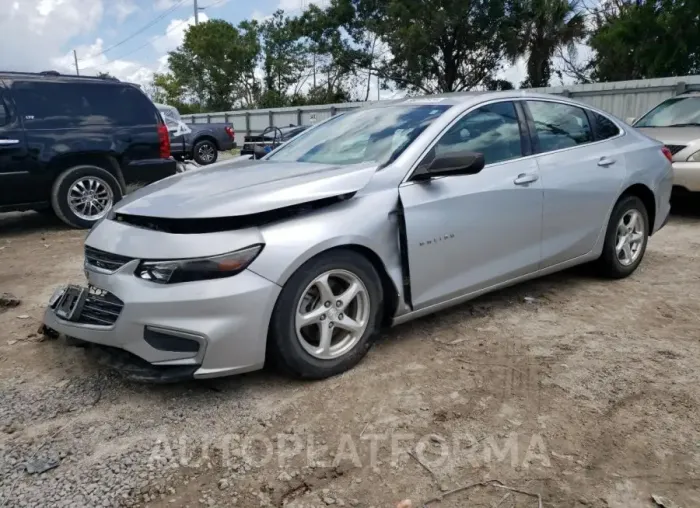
[[52, 76], [464, 100], [456, 98]]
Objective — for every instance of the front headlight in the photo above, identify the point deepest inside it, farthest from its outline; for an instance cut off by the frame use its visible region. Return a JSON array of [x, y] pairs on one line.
[[172, 271], [695, 157]]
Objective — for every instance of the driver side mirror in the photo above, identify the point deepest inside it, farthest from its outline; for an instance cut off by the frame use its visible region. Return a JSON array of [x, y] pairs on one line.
[[459, 163]]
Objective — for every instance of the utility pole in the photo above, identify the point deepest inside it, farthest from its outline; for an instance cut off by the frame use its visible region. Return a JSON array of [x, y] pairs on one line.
[[196, 13], [314, 68], [378, 86], [75, 58]]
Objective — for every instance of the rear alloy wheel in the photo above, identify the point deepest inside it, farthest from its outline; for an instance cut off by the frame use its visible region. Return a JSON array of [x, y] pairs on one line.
[[205, 152], [82, 195], [626, 238], [326, 315]]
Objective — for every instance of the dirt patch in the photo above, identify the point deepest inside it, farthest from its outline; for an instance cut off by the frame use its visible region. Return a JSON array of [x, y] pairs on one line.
[[582, 390]]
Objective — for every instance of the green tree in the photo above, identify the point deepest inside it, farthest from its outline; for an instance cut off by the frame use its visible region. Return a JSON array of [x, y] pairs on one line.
[[639, 39], [105, 75], [331, 37], [284, 59], [166, 89], [546, 27], [442, 45], [216, 64]]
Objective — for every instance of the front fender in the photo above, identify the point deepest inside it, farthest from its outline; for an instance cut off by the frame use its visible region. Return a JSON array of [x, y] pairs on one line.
[[369, 221]]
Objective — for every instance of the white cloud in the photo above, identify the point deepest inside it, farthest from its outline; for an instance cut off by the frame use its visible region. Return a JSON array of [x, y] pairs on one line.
[[92, 61], [122, 9], [300, 5], [174, 34], [33, 31], [514, 73], [259, 16], [161, 5]]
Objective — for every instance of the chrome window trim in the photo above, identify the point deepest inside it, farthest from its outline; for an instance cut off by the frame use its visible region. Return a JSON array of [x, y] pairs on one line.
[[414, 165]]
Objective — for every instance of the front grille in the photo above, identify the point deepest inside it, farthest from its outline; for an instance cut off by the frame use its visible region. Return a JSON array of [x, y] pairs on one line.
[[675, 148], [104, 260], [100, 308]]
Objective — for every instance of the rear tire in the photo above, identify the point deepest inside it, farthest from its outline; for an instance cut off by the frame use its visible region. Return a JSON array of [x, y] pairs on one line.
[[626, 238], [205, 152], [96, 185], [298, 350]]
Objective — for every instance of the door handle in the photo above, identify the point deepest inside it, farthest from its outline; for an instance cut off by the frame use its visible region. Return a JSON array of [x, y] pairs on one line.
[[525, 178], [606, 161], [7, 142]]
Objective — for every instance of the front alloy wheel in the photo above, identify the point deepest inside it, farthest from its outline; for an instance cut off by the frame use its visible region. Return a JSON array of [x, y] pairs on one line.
[[333, 314], [326, 315]]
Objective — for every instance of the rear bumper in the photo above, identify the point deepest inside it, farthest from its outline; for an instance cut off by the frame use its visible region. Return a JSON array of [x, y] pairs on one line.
[[687, 175], [226, 144], [149, 170]]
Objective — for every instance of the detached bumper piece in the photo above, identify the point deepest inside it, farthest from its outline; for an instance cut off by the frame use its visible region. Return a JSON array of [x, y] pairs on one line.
[[134, 368]]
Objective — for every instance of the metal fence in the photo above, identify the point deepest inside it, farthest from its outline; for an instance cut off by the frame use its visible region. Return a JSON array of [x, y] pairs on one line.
[[624, 99]]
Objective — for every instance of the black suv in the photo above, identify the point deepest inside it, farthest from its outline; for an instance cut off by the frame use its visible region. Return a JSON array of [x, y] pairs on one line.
[[73, 144]]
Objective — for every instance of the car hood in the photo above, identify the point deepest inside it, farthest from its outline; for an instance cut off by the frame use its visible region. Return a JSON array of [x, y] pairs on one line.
[[673, 135], [231, 189]]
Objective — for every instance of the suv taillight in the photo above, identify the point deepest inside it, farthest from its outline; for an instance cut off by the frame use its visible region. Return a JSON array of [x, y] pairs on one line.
[[230, 132], [164, 139]]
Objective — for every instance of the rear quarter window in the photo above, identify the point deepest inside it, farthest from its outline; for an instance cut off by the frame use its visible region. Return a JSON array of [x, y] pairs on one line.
[[604, 127], [56, 105]]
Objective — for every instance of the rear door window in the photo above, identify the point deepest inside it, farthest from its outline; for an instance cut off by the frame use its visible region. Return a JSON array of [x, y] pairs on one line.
[[559, 125], [56, 105]]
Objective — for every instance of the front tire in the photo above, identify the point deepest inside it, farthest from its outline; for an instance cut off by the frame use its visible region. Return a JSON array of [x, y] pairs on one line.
[[625, 239], [326, 315], [205, 152], [82, 195]]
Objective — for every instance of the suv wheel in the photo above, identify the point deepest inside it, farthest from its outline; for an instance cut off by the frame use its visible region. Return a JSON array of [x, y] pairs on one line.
[[326, 315], [205, 152], [83, 195]]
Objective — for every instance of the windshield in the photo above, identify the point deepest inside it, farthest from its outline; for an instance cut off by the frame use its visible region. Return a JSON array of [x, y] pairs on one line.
[[375, 134], [676, 112]]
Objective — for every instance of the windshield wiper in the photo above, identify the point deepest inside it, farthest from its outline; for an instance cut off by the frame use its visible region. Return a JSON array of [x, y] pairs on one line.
[[689, 124]]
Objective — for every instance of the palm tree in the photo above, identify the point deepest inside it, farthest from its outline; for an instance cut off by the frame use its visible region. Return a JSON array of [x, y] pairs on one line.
[[546, 26]]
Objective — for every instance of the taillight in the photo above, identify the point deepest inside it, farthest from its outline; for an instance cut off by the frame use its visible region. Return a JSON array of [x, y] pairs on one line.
[[667, 153], [164, 139], [230, 132]]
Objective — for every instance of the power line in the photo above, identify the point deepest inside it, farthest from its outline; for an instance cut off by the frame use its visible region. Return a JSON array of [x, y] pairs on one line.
[[139, 31], [174, 27]]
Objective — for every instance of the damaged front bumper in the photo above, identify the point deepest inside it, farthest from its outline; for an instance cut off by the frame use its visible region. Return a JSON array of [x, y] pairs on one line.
[[167, 333]]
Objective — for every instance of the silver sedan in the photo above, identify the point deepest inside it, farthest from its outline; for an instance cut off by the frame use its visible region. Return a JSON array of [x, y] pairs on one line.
[[370, 218]]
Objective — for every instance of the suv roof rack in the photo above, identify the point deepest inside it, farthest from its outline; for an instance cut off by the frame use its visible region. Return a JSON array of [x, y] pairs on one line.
[[52, 73]]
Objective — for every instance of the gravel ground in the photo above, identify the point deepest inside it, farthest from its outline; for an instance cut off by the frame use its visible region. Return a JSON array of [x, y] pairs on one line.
[[583, 391]]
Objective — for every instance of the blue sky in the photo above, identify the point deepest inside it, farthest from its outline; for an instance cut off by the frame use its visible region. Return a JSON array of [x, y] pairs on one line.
[[39, 35], [42, 34]]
